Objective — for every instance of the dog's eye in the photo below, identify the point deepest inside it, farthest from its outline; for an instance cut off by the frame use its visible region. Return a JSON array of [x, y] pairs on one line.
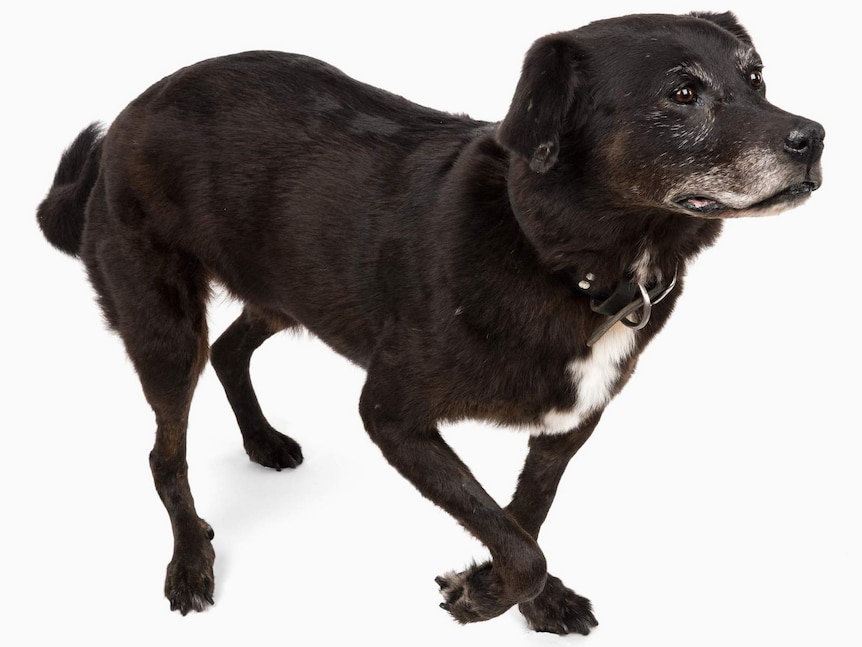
[[755, 77], [684, 94]]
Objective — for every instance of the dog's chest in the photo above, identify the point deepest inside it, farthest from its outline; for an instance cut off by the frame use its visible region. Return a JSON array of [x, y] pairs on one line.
[[594, 379]]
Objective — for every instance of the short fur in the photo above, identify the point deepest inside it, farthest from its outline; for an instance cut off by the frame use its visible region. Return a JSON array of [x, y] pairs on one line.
[[445, 255]]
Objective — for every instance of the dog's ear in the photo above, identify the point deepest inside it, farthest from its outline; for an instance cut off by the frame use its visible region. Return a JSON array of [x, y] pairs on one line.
[[727, 21], [544, 101]]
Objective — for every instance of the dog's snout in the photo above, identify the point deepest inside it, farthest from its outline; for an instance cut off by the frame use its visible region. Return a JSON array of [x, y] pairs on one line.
[[805, 142]]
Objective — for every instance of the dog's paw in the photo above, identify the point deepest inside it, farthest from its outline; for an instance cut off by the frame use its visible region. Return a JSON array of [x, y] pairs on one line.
[[558, 609], [271, 448], [472, 595], [190, 582]]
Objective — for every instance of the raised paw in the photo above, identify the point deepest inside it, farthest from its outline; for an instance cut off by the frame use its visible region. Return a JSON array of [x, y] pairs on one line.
[[558, 609], [190, 583], [271, 448], [472, 595]]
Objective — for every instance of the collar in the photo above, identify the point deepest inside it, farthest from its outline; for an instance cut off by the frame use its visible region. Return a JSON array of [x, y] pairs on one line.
[[629, 302]]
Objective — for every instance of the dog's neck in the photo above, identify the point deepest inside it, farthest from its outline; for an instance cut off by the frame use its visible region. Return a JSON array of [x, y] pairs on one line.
[[648, 253], [623, 263], [578, 236]]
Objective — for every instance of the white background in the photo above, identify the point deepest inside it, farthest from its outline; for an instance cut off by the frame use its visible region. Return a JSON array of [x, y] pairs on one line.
[[717, 504]]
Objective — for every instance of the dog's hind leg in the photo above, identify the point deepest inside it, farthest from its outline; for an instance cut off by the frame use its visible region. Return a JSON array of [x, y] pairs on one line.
[[231, 356], [557, 609], [155, 298], [392, 410]]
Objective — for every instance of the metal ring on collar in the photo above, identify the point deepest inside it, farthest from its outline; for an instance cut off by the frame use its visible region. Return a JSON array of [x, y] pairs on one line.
[[645, 308]]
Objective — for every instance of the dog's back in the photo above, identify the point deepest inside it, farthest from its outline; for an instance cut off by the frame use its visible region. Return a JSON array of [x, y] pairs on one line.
[[265, 167]]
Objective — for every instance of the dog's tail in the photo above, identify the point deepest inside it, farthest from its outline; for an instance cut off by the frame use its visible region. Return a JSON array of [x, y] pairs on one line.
[[62, 212]]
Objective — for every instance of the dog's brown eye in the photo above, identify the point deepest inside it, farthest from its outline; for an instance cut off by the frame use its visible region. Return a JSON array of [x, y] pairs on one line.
[[755, 77], [685, 94]]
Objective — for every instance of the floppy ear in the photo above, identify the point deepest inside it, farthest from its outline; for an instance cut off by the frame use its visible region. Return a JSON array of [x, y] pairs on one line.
[[544, 100], [727, 21]]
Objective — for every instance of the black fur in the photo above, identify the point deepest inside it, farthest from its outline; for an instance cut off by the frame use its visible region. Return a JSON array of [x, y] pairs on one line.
[[440, 253], [61, 215], [545, 103]]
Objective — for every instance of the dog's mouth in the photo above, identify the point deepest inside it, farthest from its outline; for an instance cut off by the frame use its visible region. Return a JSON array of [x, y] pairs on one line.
[[709, 207]]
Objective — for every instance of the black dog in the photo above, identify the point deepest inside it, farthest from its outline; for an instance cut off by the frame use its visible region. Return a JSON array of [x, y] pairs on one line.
[[508, 272]]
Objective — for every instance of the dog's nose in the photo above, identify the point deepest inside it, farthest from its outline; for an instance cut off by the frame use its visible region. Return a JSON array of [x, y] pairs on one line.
[[805, 142]]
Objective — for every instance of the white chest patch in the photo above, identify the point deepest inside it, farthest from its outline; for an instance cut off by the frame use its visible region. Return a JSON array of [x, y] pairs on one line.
[[594, 378]]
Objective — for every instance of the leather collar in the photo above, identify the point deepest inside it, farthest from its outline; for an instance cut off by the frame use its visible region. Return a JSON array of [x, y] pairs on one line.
[[629, 302]]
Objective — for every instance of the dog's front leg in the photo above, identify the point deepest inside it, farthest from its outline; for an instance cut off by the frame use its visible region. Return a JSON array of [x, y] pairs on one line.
[[409, 441], [548, 457], [556, 609]]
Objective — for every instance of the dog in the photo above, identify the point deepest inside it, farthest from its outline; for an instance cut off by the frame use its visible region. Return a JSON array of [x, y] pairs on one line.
[[510, 272]]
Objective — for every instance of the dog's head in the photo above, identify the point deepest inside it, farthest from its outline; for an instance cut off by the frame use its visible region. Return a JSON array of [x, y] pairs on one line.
[[664, 112]]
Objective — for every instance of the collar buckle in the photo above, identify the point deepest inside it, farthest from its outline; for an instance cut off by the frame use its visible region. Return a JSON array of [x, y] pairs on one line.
[[633, 311]]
